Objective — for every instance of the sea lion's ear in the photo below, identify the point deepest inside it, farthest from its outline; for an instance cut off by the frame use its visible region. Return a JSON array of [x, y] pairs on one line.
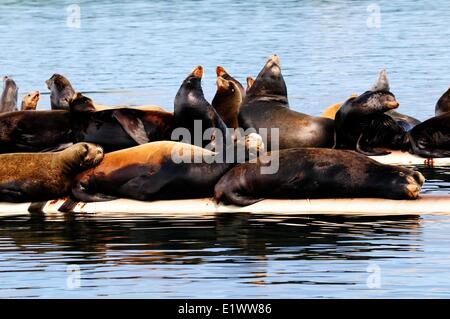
[[382, 83]]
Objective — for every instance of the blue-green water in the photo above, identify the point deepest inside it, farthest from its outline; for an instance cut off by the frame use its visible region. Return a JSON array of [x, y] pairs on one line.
[[138, 52]]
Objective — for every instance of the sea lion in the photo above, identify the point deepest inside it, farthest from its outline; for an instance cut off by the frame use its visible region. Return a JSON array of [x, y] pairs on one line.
[[153, 171], [266, 106], [431, 138], [34, 131], [362, 125], [116, 129], [220, 71], [316, 173], [405, 121], [44, 176], [443, 104], [227, 100], [61, 92], [8, 99], [30, 101], [191, 108]]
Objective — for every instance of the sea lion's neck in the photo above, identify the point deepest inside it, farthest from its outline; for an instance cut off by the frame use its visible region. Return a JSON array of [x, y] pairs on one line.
[[70, 160], [279, 99]]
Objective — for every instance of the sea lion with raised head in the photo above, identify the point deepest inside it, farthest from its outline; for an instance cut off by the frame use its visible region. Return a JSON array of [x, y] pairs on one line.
[[221, 72], [316, 173], [156, 171], [192, 109], [61, 92], [227, 100], [44, 176], [8, 99], [30, 101], [116, 129], [266, 106], [361, 123]]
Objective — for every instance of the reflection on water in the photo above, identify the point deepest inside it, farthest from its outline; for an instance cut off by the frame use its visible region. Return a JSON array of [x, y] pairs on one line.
[[138, 52], [228, 255]]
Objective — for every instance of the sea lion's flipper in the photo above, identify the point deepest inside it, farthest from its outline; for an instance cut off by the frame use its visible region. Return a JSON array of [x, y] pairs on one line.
[[132, 125], [382, 83], [80, 193], [68, 205], [363, 147], [233, 197]]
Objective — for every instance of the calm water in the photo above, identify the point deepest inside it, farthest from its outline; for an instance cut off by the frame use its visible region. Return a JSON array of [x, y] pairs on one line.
[[138, 52]]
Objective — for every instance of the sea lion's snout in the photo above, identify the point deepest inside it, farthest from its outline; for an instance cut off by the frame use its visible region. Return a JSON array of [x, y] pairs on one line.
[[220, 71], [198, 72], [392, 104], [92, 155], [275, 59], [414, 184]]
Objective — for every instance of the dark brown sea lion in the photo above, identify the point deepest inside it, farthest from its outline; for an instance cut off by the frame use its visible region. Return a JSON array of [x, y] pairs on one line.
[[34, 131], [443, 104], [44, 176], [30, 101], [191, 110], [405, 121], [227, 100], [361, 123], [120, 128], [316, 173], [155, 171], [431, 138], [266, 106], [8, 99], [61, 92]]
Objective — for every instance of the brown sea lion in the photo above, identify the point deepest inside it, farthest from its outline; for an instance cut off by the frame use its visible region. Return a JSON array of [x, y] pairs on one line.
[[8, 99], [61, 92], [30, 101], [266, 106], [155, 171], [220, 71], [227, 101], [44, 176], [116, 129], [316, 173]]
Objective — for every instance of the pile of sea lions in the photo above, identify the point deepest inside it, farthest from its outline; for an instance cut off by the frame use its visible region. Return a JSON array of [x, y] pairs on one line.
[[92, 152]]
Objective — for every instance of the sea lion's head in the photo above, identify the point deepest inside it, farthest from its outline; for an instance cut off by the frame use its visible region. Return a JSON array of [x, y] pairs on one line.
[[252, 145], [58, 82], [270, 81], [443, 104], [229, 88], [8, 101], [403, 181], [221, 72], [61, 91], [30, 101], [81, 103], [194, 79], [375, 102], [87, 155]]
